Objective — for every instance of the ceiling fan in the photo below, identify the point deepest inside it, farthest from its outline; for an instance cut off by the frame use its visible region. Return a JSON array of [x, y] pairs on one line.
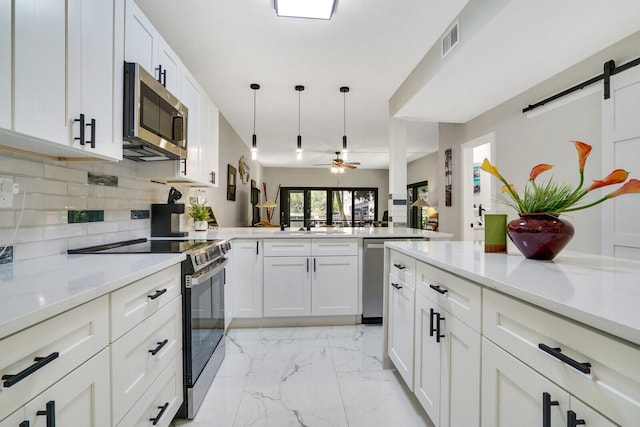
[[338, 165]]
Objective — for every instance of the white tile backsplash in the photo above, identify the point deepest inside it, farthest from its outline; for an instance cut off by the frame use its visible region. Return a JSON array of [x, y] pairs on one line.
[[54, 187]]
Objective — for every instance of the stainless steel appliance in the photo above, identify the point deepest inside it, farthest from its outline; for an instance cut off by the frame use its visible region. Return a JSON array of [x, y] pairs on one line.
[[203, 279], [155, 121], [373, 280]]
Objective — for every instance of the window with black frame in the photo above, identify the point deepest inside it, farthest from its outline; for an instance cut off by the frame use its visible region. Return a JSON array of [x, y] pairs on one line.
[[328, 206]]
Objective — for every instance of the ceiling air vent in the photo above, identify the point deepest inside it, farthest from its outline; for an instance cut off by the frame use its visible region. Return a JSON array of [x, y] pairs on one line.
[[450, 39]]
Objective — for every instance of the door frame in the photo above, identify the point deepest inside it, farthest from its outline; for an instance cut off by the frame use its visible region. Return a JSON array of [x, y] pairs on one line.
[[467, 179]]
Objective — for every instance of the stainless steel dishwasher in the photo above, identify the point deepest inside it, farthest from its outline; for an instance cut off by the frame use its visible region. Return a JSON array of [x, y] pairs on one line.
[[372, 278]]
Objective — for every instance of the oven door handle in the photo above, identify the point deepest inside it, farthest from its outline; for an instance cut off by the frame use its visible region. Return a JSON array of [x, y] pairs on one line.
[[200, 278]]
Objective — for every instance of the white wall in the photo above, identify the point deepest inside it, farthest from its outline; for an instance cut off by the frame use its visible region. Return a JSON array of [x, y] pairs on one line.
[[321, 177], [523, 142]]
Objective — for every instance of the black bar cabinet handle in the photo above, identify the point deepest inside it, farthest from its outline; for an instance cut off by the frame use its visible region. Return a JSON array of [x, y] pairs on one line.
[[547, 403], [213, 177], [93, 133], [400, 266], [159, 347], [82, 126], [159, 70], [572, 419], [314, 265], [307, 265], [438, 289], [183, 163], [432, 313], [439, 318], [11, 379], [50, 412], [160, 414], [584, 367], [258, 249], [157, 294], [24, 424], [395, 285]]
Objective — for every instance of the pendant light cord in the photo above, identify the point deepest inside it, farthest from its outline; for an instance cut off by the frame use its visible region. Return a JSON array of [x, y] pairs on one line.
[[299, 112], [254, 111], [344, 112]]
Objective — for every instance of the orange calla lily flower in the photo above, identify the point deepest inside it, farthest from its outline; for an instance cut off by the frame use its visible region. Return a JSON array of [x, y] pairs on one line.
[[505, 189], [583, 153], [615, 177], [537, 170], [488, 167], [631, 186]]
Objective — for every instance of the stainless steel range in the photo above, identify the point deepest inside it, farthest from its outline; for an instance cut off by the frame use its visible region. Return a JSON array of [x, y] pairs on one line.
[[203, 279]]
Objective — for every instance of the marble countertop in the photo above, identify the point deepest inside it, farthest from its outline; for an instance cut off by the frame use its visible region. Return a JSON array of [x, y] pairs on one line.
[[34, 290], [601, 292], [358, 232]]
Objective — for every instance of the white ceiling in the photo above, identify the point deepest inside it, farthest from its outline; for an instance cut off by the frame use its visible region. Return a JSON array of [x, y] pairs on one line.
[[372, 46]]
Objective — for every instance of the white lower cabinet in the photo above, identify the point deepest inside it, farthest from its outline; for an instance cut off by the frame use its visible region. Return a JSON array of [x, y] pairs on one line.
[[245, 279], [401, 327], [287, 286], [310, 277]]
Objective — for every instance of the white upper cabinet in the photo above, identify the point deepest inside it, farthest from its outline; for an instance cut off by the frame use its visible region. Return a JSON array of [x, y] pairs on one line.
[[64, 81], [191, 98], [145, 45], [5, 64], [210, 142]]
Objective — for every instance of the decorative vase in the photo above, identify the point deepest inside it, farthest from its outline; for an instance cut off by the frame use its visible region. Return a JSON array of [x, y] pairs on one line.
[[540, 235], [200, 225]]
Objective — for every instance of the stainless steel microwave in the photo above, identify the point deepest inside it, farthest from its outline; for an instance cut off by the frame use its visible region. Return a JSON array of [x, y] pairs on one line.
[[155, 122]]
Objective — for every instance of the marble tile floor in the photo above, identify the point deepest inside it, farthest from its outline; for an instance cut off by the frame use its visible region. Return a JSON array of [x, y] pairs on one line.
[[307, 376]]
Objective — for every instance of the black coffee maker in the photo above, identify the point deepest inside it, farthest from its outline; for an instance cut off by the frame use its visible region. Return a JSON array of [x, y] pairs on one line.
[[165, 217]]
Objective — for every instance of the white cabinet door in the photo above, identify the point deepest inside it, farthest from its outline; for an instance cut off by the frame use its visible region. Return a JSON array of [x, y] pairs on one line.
[[170, 68], [513, 394], [246, 278], [140, 38], [79, 399], [428, 363], [209, 147], [5, 64], [191, 98], [287, 286], [64, 57], [15, 419], [334, 288], [581, 411], [401, 327]]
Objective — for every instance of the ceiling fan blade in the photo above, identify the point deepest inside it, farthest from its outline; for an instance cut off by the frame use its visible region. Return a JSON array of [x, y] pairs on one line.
[[323, 164], [349, 166], [354, 163]]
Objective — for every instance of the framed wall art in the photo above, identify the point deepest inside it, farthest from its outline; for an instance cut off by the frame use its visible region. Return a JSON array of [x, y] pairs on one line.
[[448, 176], [231, 183]]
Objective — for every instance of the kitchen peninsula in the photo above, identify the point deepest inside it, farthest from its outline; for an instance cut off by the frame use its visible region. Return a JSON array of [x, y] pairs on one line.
[[516, 341]]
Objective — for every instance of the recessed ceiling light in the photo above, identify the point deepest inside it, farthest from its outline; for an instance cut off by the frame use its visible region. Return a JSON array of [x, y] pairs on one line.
[[318, 9]]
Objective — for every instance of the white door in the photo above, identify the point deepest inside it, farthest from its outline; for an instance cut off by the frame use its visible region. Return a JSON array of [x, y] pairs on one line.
[[246, 278], [428, 359], [79, 399], [334, 288], [287, 286], [477, 188], [621, 149], [171, 68], [513, 393]]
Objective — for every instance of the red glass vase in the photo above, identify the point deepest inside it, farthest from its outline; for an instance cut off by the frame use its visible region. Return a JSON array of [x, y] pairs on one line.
[[540, 235]]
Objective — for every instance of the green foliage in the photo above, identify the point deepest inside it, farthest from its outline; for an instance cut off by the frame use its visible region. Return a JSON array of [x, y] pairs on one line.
[[199, 212]]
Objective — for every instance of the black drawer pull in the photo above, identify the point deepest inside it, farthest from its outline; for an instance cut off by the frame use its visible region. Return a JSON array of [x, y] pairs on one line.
[[160, 414], [93, 133], [547, 403], [50, 412], [584, 367], [82, 126], [438, 289], [572, 419], [159, 347], [400, 266], [395, 285], [24, 424], [11, 379], [157, 294]]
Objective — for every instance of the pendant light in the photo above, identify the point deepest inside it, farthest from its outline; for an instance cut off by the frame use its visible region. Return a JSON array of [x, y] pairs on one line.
[[299, 88], [254, 141], [345, 150]]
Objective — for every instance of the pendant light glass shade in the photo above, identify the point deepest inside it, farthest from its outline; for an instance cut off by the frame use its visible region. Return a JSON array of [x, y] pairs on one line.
[[345, 150], [254, 138], [299, 88]]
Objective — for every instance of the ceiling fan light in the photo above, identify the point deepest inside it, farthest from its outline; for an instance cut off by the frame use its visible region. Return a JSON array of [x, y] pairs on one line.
[[316, 9]]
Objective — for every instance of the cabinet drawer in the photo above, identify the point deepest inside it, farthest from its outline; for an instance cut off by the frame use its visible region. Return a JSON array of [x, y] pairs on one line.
[[403, 267], [166, 390], [612, 385], [75, 336], [287, 247], [133, 365], [454, 294], [134, 303], [334, 247]]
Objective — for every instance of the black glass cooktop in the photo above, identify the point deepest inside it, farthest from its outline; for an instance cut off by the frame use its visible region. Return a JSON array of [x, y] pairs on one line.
[[143, 246]]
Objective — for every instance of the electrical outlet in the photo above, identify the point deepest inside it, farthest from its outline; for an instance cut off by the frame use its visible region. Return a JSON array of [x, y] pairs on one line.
[[6, 192]]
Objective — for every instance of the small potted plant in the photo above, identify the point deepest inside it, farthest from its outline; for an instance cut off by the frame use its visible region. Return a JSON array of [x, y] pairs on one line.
[[200, 214]]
